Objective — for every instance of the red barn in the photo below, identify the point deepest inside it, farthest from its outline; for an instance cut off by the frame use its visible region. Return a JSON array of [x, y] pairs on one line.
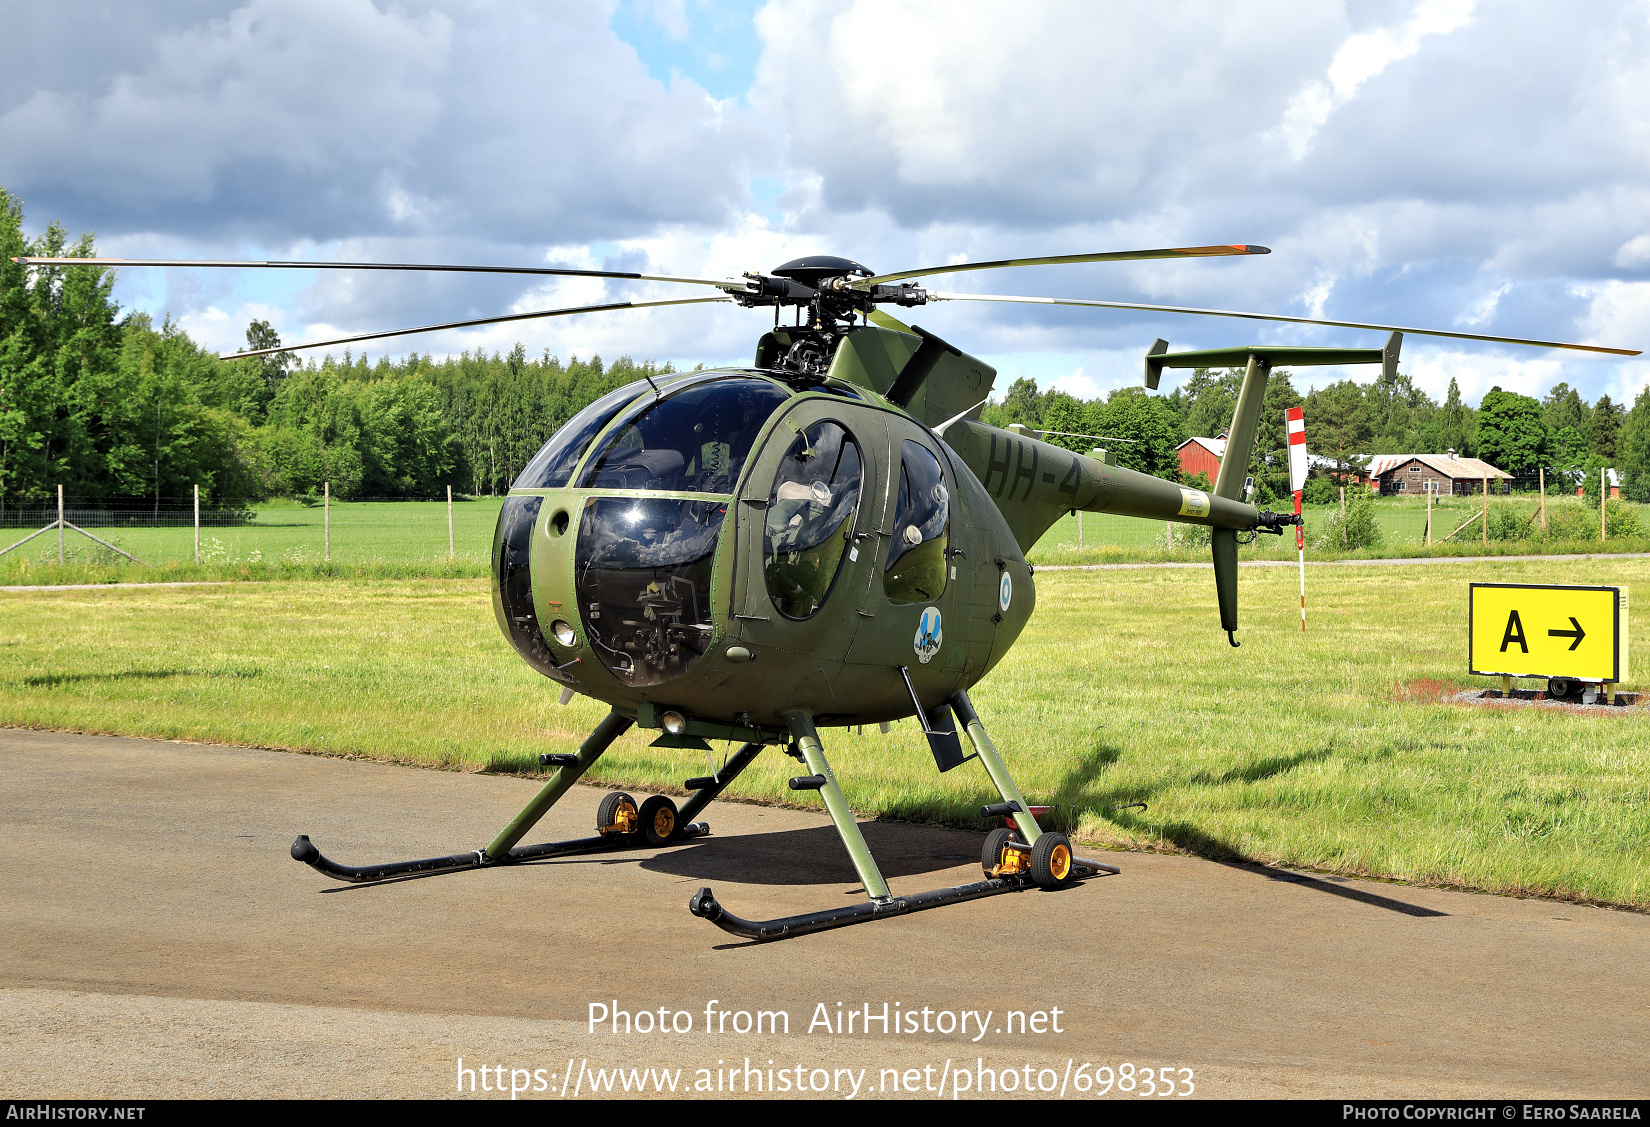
[[1202, 455]]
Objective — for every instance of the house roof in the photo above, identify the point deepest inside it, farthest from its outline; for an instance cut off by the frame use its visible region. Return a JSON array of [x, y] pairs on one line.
[[1215, 446], [1474, 469]]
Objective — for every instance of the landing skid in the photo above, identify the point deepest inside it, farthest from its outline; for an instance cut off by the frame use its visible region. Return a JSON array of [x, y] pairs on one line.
[[1018, 861], [1024, 858], [656, 824], [304, 850], [704, 905]]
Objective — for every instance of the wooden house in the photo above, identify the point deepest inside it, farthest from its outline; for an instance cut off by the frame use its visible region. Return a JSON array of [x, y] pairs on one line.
[[1442, 473]]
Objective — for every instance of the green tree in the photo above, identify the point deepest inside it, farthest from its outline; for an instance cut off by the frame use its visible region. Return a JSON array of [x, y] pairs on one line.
[[1270, 462], [1211, 397], [1592, 477], [1455, 425], [1511, 434], [1633, 449], [1402, 416], [1568, 455], [1022, 403], [1067, 413], [1606, 430], [1130, 413], [1338, 427], [1563, 407]]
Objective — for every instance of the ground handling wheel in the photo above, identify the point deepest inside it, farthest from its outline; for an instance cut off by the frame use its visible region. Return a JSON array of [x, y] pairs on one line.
[[1051, 862], [997, 859], [657, 820], [617, 816]]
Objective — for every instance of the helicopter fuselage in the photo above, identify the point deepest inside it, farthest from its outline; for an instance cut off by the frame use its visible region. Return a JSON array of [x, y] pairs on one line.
[[731, 546]]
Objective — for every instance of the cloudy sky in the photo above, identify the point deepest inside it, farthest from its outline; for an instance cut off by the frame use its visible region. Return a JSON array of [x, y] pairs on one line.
[[1480, 166]]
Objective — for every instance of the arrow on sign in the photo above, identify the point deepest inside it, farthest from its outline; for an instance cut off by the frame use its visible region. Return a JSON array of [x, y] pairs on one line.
[[1578, 633]]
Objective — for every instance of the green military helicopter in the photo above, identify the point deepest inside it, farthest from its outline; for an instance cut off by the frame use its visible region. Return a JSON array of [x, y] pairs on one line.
[[828, 537]]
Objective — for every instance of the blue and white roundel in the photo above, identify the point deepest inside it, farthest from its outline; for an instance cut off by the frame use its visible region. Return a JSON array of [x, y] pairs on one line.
[[929, 636], [1005, 593]]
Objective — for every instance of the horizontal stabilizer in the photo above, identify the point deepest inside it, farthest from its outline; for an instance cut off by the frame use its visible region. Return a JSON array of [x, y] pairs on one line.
[[1275, 356]]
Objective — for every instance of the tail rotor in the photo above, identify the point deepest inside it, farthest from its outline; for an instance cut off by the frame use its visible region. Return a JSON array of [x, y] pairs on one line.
[[1295, 423]]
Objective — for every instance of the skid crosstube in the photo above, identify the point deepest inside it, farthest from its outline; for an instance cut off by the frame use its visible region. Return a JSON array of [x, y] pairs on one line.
[[304, 850]]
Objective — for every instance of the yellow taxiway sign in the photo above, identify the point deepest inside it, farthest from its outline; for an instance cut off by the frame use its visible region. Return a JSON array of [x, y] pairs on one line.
[[1545, 630]]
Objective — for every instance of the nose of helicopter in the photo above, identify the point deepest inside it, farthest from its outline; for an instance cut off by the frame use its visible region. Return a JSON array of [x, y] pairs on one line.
[[632, 502], [642, 578]]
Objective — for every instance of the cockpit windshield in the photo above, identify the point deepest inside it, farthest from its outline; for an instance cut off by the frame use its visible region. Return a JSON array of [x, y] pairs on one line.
[[643, 573], [553, 465], [693, 441]]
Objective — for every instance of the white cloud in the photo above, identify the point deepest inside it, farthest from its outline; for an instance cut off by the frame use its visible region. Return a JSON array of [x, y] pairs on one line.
[[1432, 369], [1456, 165], [1618, 311], [1360, 58], [1482, 311], [1635, 252]]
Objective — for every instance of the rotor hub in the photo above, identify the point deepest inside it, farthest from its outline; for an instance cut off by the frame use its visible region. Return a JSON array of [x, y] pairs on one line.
[[814, 269]]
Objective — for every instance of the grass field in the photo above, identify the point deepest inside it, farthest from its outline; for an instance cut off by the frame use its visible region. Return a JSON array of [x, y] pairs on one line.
[[288, 533], [1326, 750], [408, 539]]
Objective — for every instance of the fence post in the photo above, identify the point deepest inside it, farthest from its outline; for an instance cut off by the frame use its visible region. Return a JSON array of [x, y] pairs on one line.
[[1430, 492], [326, 522], [197, 525], [60, 524], [1541, 478], [1603, 496], [450, 553], [1486, 512]]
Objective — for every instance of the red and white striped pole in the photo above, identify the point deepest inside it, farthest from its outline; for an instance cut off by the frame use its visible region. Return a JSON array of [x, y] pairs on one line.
[[1295, 422]]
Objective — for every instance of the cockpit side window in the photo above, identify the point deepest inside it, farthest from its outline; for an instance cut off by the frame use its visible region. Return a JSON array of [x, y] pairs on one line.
[[810, 518], [915, 571], [693, 441]]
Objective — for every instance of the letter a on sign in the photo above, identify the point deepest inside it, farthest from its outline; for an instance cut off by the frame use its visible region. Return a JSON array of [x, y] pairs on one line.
[[1515, 633]]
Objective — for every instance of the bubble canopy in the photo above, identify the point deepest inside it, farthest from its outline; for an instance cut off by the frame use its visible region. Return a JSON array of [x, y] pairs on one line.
[[693, 440], [643, 565]]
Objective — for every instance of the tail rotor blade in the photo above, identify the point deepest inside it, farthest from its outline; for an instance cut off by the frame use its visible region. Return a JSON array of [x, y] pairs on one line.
[[1295, 424], [1294, 421]]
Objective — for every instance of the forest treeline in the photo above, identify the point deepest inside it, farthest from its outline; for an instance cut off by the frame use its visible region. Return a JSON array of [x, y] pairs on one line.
[[1347, 421], [114, 408]]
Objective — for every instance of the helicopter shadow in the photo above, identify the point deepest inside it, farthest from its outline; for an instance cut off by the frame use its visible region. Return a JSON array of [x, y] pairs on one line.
[[815, 855], [1082, 791]]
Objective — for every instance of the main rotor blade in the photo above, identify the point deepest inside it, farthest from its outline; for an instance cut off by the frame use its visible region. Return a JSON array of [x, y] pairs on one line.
[[226, 264], [1062, 259], [474, 322], [934, 296]]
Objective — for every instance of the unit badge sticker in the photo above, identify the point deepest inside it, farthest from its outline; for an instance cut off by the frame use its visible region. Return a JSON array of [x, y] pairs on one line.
[[929, 635]]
